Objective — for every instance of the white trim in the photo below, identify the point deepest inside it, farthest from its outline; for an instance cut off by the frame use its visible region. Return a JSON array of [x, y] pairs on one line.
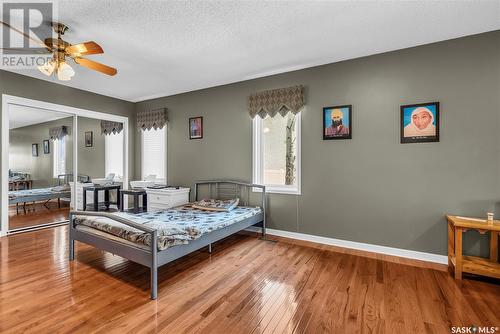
[[4, 218], [16, 100], [258, 163], [410, 254]]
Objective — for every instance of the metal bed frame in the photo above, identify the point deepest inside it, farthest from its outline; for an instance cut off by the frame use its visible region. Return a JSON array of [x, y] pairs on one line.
[[43, 197], [61, 179], [154, 258], [67, 178]]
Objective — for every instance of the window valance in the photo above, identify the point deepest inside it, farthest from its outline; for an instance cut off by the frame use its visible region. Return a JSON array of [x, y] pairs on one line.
[[152, 119], [58, 132], [110, 127], [271, 102]]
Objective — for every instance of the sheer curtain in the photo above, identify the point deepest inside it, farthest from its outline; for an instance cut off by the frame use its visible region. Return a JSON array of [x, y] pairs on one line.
[[153, 159]]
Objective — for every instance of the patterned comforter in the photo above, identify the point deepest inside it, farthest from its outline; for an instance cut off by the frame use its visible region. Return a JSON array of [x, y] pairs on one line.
[[51, 191], [176, 226]]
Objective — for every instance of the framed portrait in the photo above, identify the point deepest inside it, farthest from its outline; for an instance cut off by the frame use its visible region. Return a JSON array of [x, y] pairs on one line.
[[196, 128], [46, 146], [337, 122], [420, 123], [89, 139], [34, 150]]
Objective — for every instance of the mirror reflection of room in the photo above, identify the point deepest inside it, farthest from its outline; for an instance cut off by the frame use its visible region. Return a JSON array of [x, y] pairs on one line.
[[100, 165], [40, 165]]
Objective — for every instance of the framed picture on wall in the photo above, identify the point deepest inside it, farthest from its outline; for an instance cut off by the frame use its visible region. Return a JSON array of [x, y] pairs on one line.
[[89, 139], [420, 123], [337, 122], [196, 128], [34, 150], [46, 146]]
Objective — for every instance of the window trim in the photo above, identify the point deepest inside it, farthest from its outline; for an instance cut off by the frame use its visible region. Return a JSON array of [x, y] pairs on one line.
[[258, 163], [166, 154]]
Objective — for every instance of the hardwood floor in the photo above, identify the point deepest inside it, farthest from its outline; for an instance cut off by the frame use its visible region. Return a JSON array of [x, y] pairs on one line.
[[41, 214], [245, 286]]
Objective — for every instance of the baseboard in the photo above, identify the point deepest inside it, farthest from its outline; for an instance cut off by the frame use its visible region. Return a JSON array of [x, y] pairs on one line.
[[410, 254]]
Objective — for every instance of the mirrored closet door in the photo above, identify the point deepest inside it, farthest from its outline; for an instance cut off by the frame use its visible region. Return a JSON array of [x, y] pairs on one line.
[[40, 167]]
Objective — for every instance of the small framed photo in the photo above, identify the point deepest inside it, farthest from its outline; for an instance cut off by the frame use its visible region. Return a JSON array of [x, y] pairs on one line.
[[34, 150], [337, 122], [46, 146], [196, 128], [420, 123], [89, 139]]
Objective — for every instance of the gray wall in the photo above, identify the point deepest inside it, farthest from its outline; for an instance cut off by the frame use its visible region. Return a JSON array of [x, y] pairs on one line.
[[23, 86], [91, 158], [369, 189], [40, 167]]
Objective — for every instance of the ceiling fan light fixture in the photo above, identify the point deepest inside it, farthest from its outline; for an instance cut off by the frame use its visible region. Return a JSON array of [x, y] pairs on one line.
[[47, 68], [65, 72]]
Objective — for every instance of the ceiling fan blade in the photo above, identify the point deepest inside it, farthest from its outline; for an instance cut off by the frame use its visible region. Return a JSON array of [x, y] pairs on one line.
[[40, 43], [87, 48], [95, 66]]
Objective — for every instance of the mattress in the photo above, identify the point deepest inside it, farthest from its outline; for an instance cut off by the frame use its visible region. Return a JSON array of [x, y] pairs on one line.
[[38, 194], [176, 226]]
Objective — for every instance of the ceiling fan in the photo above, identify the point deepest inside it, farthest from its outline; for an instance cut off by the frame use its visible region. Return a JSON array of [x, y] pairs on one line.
[[62, 50]]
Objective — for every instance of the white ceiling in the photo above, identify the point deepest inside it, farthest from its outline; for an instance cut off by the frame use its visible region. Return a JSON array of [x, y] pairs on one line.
[[162, 48], [20, 116]]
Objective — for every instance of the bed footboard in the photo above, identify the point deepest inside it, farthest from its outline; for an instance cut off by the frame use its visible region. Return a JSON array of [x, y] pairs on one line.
[[142, 256]]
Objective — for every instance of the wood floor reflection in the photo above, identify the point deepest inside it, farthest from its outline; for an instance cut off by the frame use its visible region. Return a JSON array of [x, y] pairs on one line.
[[245, 286], [37, 214]]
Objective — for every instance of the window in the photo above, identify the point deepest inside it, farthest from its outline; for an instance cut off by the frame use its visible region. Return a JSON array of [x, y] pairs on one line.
[[113, 154], [59, 156], [153, 159], [276, 153]]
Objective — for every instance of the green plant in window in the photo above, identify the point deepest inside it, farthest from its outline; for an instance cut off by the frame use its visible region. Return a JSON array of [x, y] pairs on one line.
[[290, 150]]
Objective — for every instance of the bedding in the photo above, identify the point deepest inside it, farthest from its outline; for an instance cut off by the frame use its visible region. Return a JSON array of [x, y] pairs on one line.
[[216, 204], [38, 194], [176, 226]]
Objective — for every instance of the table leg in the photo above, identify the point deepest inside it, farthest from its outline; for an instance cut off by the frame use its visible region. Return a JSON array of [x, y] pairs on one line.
[[144, 202], [96, 200], [120, 205], [136, 203], [119, 201], [451, 245], [84, 199], [106, 199], [458, 253], [493, 246]]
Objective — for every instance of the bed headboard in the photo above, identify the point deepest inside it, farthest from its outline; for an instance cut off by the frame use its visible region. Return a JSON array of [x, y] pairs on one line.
[[227, 189], [63, 179]]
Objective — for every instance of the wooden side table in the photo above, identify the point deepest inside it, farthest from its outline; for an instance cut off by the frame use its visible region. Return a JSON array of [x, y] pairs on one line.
[[472, 264]]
